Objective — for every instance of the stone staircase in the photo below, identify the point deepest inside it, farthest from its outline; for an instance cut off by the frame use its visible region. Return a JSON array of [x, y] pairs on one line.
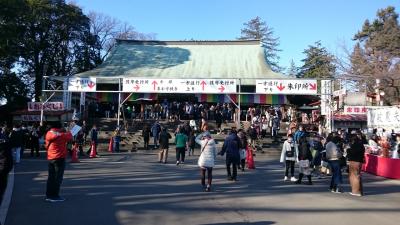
[[131, 138]]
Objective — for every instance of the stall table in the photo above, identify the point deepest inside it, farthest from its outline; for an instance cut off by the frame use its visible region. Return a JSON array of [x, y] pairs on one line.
[[381, 166]]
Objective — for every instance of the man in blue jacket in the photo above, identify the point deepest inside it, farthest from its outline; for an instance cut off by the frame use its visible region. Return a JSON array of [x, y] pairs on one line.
[[231, 147]]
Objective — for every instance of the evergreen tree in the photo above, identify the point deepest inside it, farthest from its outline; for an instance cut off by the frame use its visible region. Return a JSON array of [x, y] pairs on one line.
[[292, 70], [318, 63], [377, 53], [258, 29]]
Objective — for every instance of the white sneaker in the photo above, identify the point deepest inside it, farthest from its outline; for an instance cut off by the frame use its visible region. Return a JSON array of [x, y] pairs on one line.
[[286, 178], [293, 179]]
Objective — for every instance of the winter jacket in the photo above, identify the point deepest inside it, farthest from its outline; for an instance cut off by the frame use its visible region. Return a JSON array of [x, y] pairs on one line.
[[297, 135], [208, 151], [16, 138], [181, 140], [231, 147], [304, 152], [56, 143], [332, 151], [287, 146], [356, 152], [164, 139]]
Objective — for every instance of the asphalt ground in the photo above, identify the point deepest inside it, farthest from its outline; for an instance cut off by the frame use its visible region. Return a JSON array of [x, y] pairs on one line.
[[122, 189]]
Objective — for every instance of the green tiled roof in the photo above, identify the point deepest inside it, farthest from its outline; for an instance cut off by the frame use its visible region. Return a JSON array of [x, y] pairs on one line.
[[185, 59]]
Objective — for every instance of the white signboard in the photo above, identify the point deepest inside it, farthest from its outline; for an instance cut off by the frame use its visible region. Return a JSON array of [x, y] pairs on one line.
[[360, 110], [326, 98], [384, 117], [300, 86], [82, 84], [48, 106], [222, 86]]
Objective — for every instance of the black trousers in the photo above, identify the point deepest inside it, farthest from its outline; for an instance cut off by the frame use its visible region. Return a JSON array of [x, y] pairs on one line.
[[55, 178], [203, 175], [35, 147], [234, 163], [289, 164], [180, 154], [3, 185]]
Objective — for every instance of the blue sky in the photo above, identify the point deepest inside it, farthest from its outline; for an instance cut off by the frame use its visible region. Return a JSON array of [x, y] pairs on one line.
[[298, 23]]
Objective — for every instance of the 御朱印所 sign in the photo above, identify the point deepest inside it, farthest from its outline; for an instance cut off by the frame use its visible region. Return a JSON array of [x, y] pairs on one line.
[[82, 84], [306, 87], [146, 85]]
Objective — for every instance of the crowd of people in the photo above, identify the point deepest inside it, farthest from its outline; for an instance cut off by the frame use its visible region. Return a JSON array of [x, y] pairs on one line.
[[334, 154], [315, 154]]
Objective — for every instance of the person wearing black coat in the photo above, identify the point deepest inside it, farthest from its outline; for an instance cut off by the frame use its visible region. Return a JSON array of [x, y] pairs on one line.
[[146, 136], [6, 162], [355, 156], [305, 158], [231, 147]]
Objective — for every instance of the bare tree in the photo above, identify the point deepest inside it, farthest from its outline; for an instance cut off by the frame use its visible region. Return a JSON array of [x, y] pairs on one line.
[[108, 29]]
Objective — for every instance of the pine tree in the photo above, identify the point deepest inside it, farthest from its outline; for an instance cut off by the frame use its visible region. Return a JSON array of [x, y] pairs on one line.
[[319, 63], [258, 29], [293, 70], [377, 52]]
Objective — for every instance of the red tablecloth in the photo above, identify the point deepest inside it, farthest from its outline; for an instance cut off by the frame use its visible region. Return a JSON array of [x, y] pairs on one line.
[[380, 166]]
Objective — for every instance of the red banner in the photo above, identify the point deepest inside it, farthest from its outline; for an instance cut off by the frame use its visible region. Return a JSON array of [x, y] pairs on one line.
[[381, 166]]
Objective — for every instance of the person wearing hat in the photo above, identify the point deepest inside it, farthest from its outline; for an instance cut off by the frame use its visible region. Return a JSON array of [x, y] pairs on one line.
[[208, 154]]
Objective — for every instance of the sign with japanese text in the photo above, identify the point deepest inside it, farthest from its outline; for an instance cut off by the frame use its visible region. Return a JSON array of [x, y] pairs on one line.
[[300, 86], [222, 86], [384, 117], [326, 97], [360, 110], [48, 106], [30, 118], [82, 84]]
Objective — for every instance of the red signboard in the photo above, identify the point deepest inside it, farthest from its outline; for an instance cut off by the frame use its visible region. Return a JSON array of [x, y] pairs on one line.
[[48, 106]]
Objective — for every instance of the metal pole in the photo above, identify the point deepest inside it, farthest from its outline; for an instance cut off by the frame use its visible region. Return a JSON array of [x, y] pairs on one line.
[[238, 119], [119, 101]]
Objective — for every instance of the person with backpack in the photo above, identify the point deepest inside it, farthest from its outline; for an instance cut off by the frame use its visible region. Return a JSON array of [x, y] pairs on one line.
[[208, 154], [289, 157]]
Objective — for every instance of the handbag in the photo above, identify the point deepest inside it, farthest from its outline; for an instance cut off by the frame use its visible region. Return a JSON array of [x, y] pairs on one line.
[[304, 163]]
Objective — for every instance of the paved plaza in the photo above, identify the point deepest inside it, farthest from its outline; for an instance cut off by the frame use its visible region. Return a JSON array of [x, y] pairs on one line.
[[124, 189]]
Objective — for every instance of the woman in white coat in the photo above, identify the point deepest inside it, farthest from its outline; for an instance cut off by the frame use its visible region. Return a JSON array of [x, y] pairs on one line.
[[207, 158], [289, 156]]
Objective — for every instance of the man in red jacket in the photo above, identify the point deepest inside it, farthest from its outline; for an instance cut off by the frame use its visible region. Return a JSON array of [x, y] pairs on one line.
[[56, 145]]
